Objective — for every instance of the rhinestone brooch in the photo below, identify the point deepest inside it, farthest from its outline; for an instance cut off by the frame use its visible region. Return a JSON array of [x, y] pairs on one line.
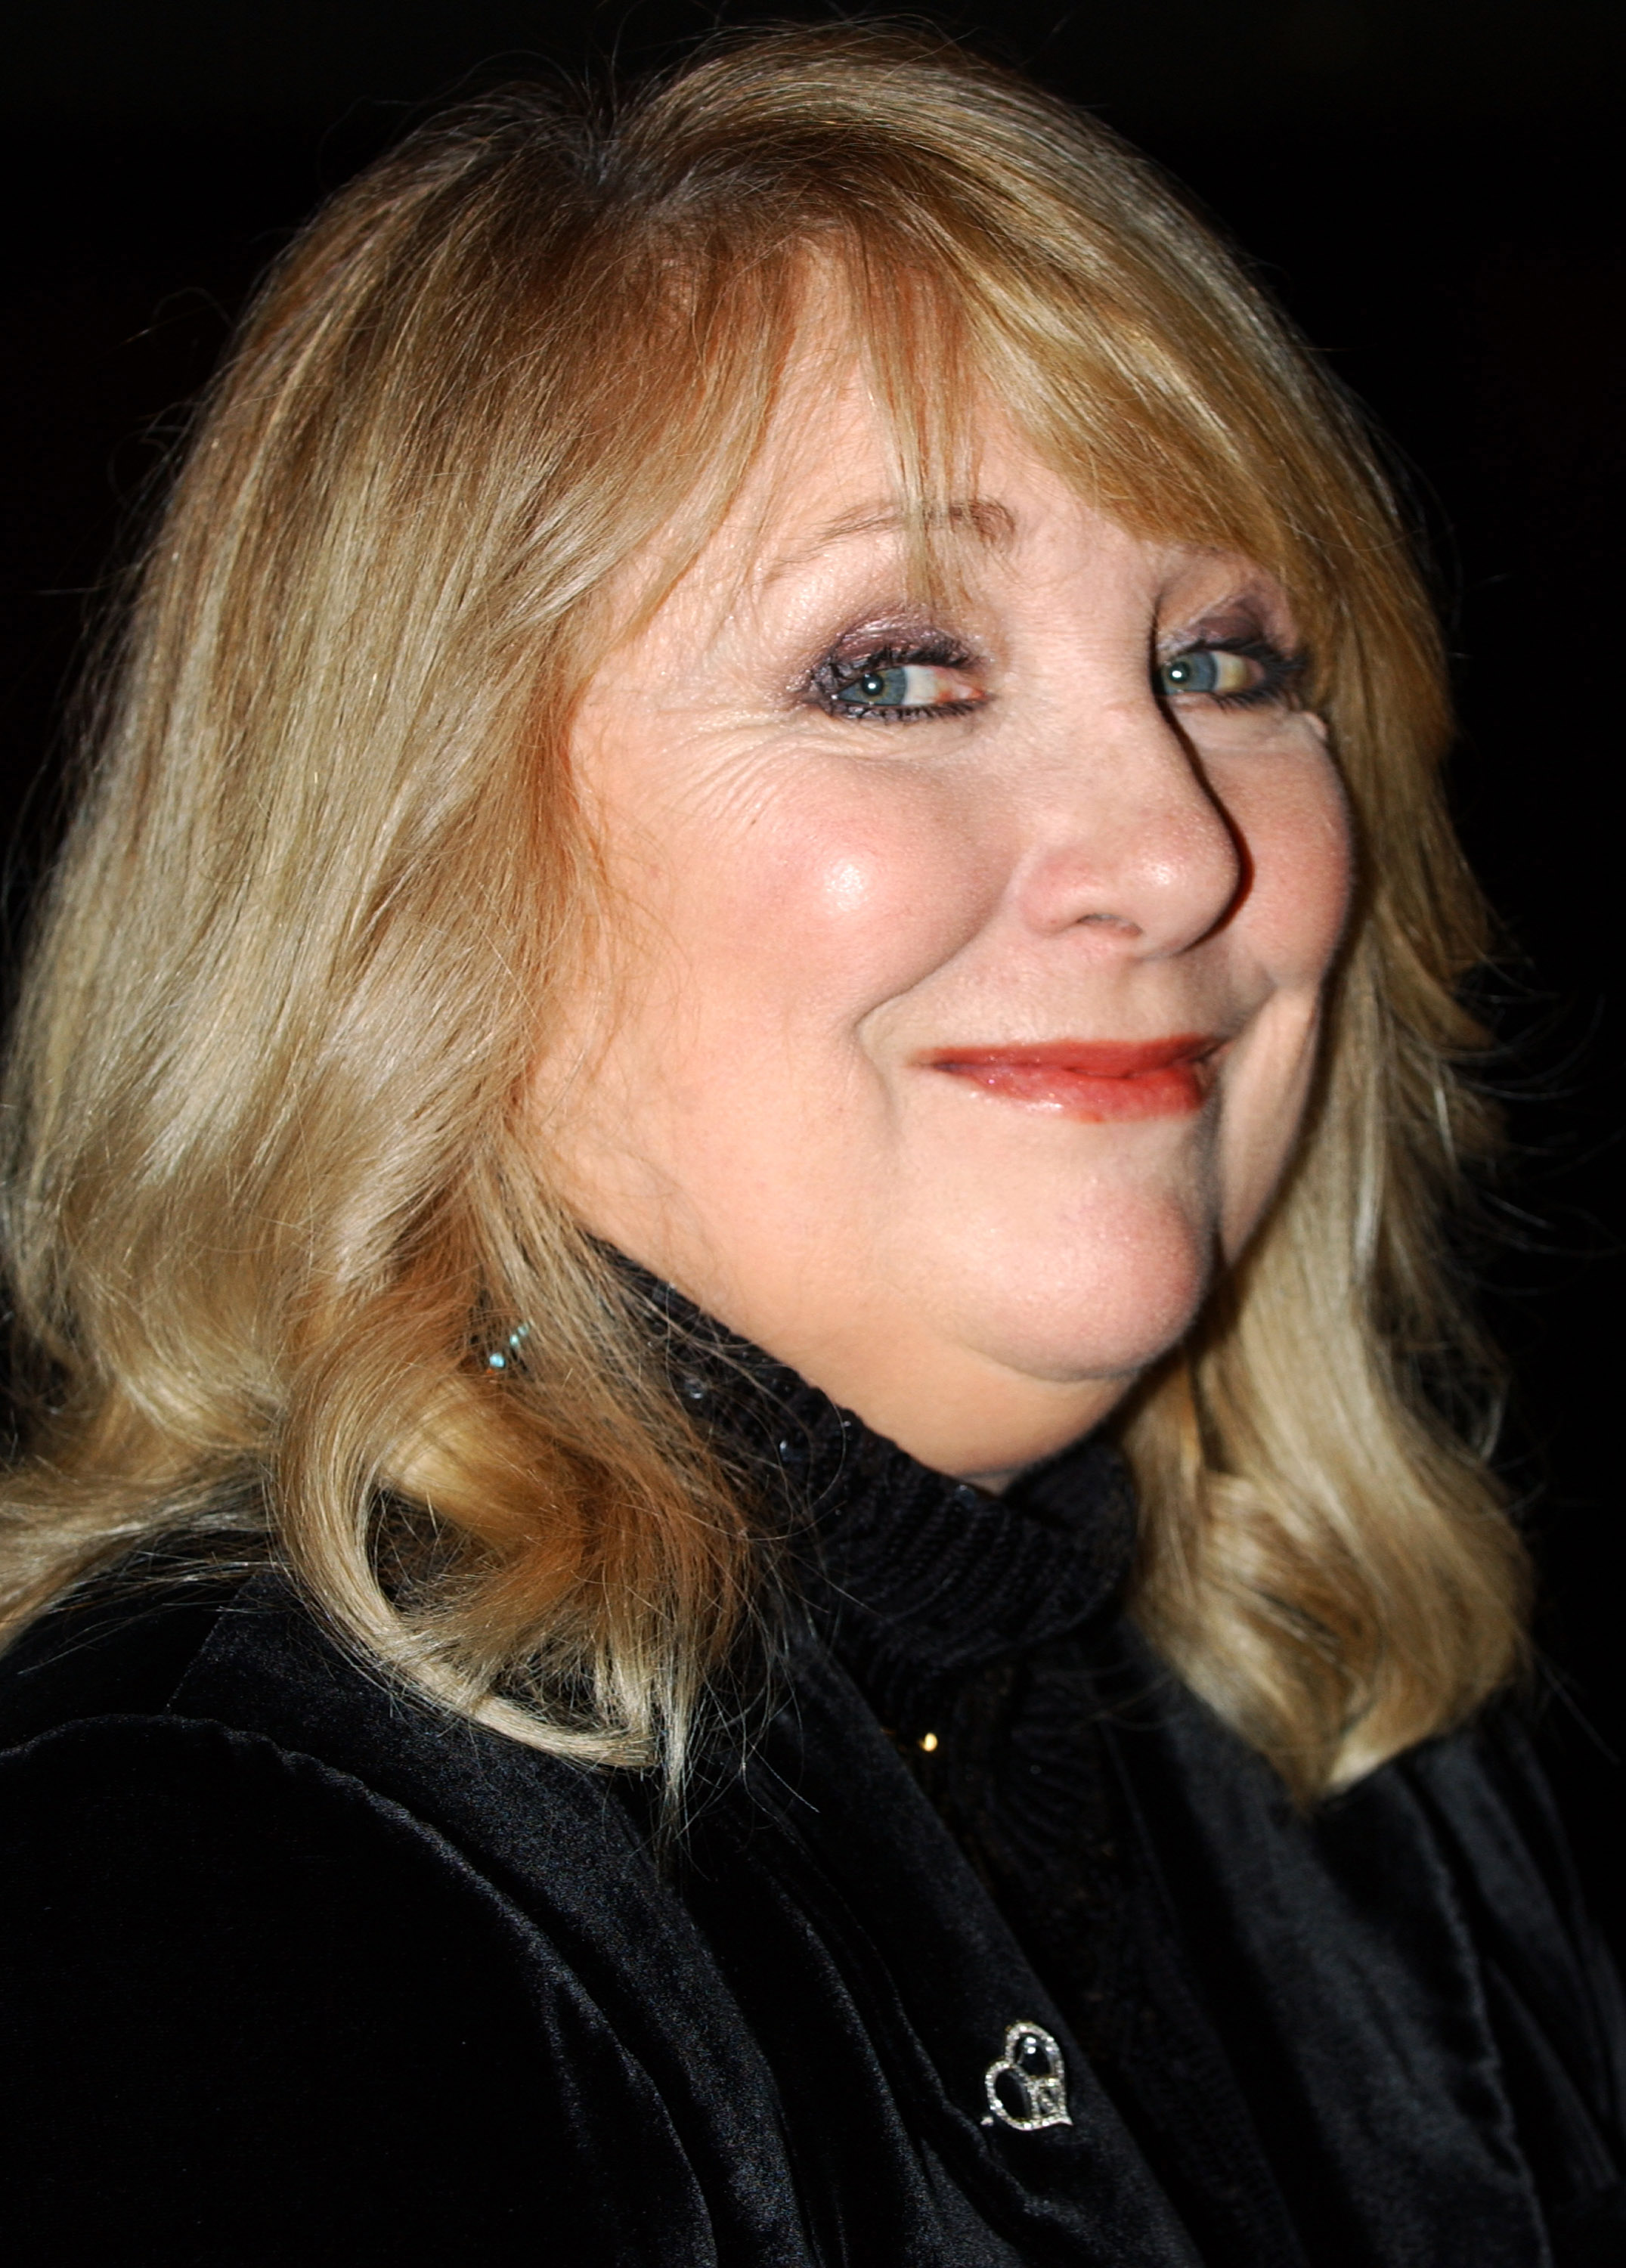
[[1026, 2086]]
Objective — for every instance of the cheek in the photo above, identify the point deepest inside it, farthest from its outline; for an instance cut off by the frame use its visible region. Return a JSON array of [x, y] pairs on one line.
[[830, 902], [1300, 851], [1290, 926]]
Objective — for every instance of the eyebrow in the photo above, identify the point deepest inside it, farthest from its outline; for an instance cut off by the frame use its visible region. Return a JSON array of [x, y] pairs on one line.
[[993, 526]]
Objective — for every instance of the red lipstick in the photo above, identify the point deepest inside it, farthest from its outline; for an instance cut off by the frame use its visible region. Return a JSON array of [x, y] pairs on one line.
[[1093, 1079]]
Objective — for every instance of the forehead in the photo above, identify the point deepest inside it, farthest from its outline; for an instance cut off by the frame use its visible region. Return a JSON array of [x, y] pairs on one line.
[[861, 458], [829, 499]]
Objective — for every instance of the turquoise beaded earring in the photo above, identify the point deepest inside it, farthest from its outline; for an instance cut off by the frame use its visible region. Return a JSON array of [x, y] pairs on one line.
[[506, 1356]]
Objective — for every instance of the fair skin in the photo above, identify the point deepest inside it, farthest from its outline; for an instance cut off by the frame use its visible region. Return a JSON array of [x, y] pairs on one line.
[[849, 1092]]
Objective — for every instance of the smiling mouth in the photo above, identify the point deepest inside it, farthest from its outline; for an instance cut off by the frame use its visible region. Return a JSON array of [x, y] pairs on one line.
[[1096, 1080]]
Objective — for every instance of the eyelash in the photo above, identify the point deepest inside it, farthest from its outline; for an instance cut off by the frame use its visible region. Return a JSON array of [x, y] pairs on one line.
[[837, 670]]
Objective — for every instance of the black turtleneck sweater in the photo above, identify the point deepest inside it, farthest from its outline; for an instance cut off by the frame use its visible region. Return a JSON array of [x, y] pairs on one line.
[[986, 1944]]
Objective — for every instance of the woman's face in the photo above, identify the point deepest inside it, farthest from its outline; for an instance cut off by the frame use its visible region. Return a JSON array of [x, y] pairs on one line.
[[971, 958]]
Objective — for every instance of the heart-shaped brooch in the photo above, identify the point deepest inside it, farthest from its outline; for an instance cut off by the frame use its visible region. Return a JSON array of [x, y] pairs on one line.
[[1026, 2086]]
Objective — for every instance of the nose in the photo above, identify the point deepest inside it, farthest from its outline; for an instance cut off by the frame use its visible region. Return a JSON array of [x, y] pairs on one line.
[[1128, 838]]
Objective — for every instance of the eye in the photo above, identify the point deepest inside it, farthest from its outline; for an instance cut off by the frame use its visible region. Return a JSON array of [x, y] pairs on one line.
[[915, 685], [1238, 676], [893, 686]]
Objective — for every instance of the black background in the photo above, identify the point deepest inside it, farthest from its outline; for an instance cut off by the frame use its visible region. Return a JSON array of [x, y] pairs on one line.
[[1429, 187]]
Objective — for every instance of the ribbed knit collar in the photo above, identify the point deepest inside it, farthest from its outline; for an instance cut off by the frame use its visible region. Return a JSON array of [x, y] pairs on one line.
[[916, 1578]]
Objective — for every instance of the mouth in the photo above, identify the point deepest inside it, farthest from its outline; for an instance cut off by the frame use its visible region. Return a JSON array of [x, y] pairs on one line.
[[1095, 1081]]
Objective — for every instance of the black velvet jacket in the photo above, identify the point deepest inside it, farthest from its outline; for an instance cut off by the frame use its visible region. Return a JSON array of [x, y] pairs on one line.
[[997, 1948]]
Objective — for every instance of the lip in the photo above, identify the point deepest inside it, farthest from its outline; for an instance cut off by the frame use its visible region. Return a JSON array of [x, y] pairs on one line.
[[1095, 1081]]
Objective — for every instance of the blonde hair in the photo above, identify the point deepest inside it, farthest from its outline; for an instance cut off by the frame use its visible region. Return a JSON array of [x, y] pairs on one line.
[[271, 1186]]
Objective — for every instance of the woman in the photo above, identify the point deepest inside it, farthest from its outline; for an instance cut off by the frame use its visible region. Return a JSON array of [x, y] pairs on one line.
[[764, 903]]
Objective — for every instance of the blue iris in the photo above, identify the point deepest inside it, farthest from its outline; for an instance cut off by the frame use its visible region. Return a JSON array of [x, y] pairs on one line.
[[1190, 673], [878, 688]]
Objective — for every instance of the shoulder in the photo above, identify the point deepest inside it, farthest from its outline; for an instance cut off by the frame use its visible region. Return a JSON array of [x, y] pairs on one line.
[[197, 1725], [208, 1690], [256, 1909], [1493, 1811], [221, 1958], [216, 1679]]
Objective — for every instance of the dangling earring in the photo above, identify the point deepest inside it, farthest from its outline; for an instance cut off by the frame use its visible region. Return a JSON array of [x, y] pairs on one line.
[[504, 1357]]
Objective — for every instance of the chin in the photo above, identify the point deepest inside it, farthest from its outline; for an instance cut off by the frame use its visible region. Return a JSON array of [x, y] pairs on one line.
[[1102, 1306]]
